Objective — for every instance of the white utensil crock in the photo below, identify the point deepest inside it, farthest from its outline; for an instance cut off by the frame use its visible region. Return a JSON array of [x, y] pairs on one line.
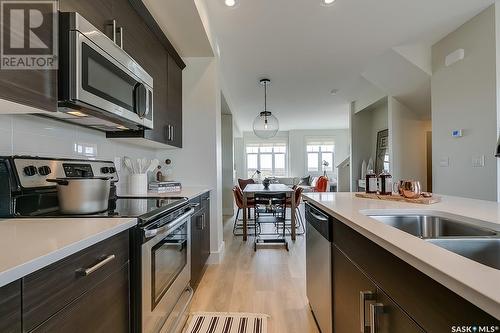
[[138, 184]]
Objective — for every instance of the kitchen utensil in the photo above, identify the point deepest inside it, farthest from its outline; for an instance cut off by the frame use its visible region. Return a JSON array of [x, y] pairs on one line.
[[128, 163], [411, 189], [138, 184], [85, 195], [153, 165]]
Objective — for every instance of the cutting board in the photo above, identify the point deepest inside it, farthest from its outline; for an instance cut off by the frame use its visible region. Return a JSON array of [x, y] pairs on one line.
[[421, 200]]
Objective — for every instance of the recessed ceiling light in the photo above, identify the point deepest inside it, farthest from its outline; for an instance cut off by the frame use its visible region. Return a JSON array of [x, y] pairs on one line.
[[327, 2], [231, 3]]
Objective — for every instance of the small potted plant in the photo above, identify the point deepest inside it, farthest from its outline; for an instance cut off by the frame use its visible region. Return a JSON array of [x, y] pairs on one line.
[[325, 165]]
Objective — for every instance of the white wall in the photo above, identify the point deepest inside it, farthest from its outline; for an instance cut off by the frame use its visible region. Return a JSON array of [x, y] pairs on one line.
[[39, 136], [365, 125], [464, 96], [239, 158], [380, 122], [408, 143], [296, 149], [199, 162]]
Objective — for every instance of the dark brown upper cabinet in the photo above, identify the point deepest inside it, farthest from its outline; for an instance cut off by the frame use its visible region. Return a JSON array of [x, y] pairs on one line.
[[33, 88], [38, 88], [146, 43], [97, 12], [144, 40]]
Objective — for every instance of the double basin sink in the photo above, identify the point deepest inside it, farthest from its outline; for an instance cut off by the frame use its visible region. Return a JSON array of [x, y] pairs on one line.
[[476, 243]]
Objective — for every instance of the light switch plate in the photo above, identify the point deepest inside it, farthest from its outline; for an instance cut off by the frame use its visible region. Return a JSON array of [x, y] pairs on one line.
[[444, 162], [478, 161]]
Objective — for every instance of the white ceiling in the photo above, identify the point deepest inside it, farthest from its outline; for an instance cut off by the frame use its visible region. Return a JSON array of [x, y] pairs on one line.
[[307, 50]]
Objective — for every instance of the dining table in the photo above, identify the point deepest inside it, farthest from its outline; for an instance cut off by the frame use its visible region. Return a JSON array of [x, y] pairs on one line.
[[251, 189]]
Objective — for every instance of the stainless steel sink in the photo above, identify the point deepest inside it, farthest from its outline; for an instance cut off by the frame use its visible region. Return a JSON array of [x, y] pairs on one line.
[[424, 226], [482, 250]]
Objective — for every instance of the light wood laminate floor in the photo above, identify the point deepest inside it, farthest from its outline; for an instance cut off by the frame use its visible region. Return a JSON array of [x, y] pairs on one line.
[[270, 281]]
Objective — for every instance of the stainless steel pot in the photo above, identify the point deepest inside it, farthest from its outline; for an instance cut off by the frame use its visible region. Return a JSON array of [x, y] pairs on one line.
[[82, 195]]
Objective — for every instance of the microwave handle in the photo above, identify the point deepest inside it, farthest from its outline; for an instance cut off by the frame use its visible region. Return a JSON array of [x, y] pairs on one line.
[[120, 31], [112, 24], [140, 100]]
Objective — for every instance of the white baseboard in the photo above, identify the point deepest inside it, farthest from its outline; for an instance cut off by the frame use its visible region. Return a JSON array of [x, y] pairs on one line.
[[216, 257]]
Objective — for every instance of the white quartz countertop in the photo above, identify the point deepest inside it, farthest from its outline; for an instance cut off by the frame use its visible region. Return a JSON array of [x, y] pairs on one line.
[[27, 245], [186, 192], [477, 283]]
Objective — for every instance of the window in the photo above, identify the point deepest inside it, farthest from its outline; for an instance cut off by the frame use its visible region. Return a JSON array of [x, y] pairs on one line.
[[269, 158], [320, 156]]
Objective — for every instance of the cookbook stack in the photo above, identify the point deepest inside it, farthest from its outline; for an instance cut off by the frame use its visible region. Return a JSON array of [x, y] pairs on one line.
[[165, 187]]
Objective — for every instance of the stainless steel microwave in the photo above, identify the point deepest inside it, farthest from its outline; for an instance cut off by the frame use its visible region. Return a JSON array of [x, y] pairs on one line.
[[100, 85]]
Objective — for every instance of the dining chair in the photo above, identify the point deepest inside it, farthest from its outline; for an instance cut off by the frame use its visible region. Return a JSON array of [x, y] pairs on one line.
[[275, 204], [244, 182], [298, 198], [238, 199]]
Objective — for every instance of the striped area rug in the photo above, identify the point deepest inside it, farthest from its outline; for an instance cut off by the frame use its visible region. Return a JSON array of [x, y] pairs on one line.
[[227, 322]]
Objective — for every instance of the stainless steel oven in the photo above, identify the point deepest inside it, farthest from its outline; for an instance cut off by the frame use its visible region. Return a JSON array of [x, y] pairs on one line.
[[165, 270], [100, 85]]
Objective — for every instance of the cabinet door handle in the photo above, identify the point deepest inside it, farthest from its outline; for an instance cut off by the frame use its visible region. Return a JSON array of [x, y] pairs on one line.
[[364, 296], [173, 133], [120, 31], [90, 270], [170, 133], [375, 311]]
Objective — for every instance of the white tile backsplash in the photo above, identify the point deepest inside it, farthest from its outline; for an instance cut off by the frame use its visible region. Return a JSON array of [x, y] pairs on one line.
[[40, 136]]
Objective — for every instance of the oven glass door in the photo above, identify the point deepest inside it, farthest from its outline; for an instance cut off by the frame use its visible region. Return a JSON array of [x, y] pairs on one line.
[[168, 259], [104, 79]]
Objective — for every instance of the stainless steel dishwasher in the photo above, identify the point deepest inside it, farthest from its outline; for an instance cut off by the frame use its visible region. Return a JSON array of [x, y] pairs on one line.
[[319, 237]]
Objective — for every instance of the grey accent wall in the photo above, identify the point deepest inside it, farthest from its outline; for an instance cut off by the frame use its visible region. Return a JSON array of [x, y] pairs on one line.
[[464, 96]]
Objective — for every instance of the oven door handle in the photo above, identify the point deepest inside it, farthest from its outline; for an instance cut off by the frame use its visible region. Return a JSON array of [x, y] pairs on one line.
[[153, 232], [177, 245]]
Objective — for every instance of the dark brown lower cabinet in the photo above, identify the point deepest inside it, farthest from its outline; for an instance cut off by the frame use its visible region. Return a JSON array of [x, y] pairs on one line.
[[86, 292], [10, 308], [359, 305], [50, 289], [103, 309], [369, 279], [200, 237]]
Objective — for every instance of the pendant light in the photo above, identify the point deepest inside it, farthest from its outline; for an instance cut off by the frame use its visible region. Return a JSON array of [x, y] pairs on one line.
[[265, 126]]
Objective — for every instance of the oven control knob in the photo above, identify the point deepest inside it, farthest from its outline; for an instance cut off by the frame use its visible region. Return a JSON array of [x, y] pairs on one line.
[[30, 170], [44, 170], [105, 170], [112, 170]]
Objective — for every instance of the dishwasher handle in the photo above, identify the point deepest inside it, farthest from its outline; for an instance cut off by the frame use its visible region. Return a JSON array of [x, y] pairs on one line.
[[320, 221]]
